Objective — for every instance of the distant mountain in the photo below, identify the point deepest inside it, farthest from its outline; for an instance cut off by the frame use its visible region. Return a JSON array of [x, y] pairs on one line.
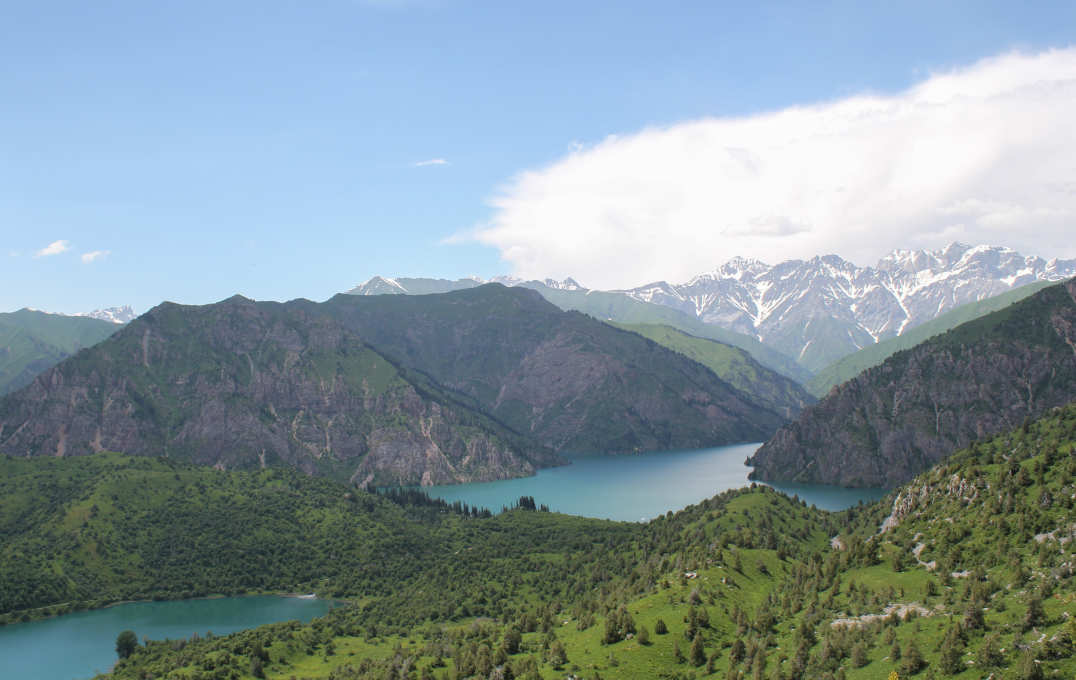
[[813, 312], [897, 419], [733, 365], [33, 341], [468, 386], [872, 355], [606, 306], [825, 308], [118, 315]]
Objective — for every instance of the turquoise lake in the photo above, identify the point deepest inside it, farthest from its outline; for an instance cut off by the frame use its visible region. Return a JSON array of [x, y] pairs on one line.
[[76, 646], [639, 487]]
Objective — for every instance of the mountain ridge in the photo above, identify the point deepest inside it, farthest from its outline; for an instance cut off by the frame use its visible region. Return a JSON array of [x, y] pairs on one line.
[[895, 419]]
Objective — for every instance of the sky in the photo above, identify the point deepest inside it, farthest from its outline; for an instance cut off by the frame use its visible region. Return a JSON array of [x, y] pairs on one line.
[[188, 151]]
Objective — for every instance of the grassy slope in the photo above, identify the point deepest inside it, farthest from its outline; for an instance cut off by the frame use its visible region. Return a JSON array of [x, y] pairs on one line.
[[850, 366], [731, 364], [767, 578], [31, 342]]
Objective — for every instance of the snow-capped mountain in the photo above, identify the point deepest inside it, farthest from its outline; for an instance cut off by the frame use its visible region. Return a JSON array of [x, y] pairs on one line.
[[822, 309], [117, 315], [819, 310]]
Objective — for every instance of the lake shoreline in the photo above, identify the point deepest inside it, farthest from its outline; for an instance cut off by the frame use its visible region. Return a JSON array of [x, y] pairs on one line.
[[64, 608]]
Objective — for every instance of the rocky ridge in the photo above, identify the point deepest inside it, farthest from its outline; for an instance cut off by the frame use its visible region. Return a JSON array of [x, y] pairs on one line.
[[899, 418]]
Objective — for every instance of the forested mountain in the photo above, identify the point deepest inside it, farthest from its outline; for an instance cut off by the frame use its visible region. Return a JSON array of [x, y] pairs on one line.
[[32, 341], [897, 419], [964, 572], [476, 385], [732, 364]]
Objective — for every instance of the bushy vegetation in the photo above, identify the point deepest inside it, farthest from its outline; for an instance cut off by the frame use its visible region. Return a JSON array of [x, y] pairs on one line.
[[972, 575]]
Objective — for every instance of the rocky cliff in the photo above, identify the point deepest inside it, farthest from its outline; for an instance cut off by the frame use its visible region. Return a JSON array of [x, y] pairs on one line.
[[897, 419], [477, 385], [244, 384]]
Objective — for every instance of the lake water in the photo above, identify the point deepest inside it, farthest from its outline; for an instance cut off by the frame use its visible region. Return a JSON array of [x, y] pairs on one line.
[[641, 486], [76, 646]]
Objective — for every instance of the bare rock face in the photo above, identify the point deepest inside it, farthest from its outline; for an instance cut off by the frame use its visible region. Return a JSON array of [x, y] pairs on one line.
[[476, 385], [243, 384], [897, 419]]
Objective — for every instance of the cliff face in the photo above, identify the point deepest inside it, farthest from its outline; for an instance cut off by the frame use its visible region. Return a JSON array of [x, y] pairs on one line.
[[243, 384], [897, 419]]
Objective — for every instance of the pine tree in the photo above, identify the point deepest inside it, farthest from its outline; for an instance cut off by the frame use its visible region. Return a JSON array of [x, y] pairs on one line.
[[697, 653]]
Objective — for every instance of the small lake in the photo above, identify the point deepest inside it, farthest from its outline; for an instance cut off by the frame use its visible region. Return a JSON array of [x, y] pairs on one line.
[[76, 646], [640, 487]]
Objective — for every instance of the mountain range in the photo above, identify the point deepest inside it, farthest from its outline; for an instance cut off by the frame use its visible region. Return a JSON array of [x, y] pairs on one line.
[[820, 310], [33, 341], [896, 419], [480, 384]]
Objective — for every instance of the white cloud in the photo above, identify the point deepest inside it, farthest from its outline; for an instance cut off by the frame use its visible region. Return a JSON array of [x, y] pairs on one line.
[[432, 161], [94, 255], [985, 153], [54, 248]]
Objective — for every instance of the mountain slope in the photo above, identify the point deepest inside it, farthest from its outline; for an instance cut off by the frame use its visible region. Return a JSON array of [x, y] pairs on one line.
[[32, 341], [895, 420], [969, 576], [732, 365], [571, 382], [244, 384], [872, 355], [470, 386], [607, 306]]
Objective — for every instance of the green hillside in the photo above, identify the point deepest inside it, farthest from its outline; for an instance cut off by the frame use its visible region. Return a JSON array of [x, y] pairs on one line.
[[971, 576], [733, 365], [32, 342], [848, 367]]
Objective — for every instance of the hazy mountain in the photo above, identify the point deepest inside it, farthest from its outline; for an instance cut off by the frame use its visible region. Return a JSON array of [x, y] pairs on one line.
[[475, 385], [33, 341], [896, 419]]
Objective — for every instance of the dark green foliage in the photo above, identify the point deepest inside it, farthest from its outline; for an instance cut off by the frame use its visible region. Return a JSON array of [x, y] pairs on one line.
[[660, 628], [126, 644]]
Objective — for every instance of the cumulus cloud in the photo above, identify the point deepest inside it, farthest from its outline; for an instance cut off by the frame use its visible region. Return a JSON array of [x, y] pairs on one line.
[[432, 161], [54, 248], [982, 154], [94, 255]]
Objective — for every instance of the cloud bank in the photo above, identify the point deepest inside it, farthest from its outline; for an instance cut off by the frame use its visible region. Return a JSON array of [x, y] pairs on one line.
[[432, 161], [981, 154], [54, 248]]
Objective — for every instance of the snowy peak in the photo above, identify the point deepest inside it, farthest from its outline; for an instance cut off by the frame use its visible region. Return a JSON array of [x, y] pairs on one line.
[[821, 309], [117, 315]]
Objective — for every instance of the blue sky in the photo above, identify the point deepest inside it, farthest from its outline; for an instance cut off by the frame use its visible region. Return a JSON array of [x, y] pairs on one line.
[[273, 148]]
